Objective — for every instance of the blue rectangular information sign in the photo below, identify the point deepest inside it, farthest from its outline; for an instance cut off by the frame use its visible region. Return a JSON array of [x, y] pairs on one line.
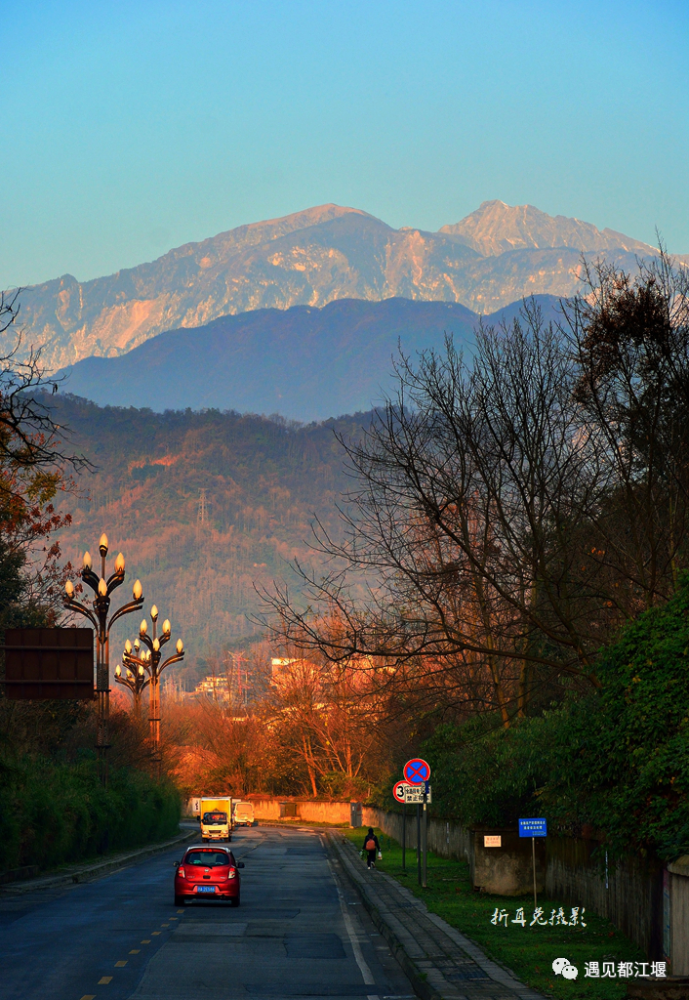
[[533, 828]]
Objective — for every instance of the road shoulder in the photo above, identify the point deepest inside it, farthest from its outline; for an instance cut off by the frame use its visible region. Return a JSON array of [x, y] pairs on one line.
[[88, 872]]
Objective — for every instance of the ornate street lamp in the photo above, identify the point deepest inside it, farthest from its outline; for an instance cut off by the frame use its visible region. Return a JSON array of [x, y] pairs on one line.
[[150, 659], [97, 614], [136, 680]]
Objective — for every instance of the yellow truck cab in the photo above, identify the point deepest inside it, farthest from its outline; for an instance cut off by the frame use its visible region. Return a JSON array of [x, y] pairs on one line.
[[216, 818]]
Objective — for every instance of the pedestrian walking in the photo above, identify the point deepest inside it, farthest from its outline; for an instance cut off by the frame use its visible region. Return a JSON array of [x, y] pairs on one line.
[[371, 845]]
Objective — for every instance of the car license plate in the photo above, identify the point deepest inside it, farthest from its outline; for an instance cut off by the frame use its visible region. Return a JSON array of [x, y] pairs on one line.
[[205, 888]]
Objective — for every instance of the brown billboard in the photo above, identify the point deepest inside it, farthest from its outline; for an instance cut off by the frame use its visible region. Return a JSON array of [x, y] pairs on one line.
[[45, 663]]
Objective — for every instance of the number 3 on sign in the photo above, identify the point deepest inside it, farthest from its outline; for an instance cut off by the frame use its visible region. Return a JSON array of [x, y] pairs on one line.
[[398, 791]]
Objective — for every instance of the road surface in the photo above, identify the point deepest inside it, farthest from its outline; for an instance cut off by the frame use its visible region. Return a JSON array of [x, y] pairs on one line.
[[299, 932]]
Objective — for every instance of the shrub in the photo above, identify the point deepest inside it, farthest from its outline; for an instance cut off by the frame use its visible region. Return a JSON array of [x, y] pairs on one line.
[[52, 813], [617, 759]]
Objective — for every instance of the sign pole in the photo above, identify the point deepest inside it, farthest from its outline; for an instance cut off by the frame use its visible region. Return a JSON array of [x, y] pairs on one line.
[[404, 836], [534, 826], [418, 841], [425, 841]]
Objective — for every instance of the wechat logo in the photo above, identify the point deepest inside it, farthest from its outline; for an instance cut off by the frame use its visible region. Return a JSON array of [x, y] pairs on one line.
[[563, 967]]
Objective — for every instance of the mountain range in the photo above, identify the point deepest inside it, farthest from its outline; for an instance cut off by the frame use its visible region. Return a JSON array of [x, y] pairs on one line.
[[304, 363], [493, 257]]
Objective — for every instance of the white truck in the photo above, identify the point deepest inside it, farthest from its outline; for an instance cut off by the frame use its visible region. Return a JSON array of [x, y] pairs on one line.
[[216, 817], [243, 814]]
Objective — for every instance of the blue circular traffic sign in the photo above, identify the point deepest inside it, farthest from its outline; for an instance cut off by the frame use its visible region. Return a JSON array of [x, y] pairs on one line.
[[417, 771]]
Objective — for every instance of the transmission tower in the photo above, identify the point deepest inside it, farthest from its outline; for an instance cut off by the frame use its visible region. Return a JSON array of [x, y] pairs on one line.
[[203, 505]]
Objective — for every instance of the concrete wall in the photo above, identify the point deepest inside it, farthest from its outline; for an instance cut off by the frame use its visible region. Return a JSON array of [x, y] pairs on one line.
[[268, 808], [446, 839], [335, 813], [507, 870]]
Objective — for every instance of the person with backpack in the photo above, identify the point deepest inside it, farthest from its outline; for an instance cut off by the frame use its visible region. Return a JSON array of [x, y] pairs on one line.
[[371, 845]]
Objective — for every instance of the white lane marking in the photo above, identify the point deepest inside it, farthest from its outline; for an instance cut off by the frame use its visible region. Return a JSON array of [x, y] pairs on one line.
[[364, 969], [368, 977]]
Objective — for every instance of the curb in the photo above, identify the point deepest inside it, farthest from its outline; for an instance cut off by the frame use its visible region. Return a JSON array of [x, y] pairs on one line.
[[90, 872], [419, 983]]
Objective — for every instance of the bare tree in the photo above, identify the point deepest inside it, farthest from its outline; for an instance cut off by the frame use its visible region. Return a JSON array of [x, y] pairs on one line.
[[510, 513]]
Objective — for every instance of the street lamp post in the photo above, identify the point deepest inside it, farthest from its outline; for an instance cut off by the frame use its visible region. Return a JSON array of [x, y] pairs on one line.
[[98, 616], [136, 680], [150, 659]]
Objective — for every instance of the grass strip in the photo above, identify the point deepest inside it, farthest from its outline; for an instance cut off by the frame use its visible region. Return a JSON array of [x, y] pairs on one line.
[[528, 951]]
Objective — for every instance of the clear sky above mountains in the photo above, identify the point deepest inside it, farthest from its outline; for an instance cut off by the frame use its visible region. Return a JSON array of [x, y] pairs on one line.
[[132, 127]]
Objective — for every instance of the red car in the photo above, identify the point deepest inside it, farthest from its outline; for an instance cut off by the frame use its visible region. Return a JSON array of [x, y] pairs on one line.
[[208, 873]]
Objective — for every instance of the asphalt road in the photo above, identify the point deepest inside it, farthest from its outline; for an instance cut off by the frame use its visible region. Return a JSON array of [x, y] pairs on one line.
[[299, 932]]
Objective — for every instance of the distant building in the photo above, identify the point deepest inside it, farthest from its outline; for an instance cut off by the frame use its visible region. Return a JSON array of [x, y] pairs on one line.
[[216, 688]]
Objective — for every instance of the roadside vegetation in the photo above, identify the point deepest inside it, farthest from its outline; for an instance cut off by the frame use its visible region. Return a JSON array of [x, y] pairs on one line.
[[53, 808], [53, 812]]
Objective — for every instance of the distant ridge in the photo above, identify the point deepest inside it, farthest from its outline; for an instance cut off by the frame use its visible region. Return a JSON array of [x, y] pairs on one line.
[[304, 363], [495, 256], [495, 228]]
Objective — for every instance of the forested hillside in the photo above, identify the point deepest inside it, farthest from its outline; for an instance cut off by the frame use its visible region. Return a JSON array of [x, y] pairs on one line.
[[201, 561]]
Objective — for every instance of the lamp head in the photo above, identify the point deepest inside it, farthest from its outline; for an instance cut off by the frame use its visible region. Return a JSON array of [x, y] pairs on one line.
[[156, 645], [154, 613], [141, 670], [69, 589], [119, 565], [180, 646], [118, 671], [136, 644], [143, 627], [102, 588], [167, 627], [87, 560], [127, 646], [103, 545], [137, 590], [130, 675]]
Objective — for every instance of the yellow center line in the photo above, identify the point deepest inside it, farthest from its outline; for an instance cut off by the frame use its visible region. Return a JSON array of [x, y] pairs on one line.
[[146, 941], [164, 925], [155, 933], [120, 965], [104, 980], [89, 996], [180, 911], [135, 951], [174, 918]]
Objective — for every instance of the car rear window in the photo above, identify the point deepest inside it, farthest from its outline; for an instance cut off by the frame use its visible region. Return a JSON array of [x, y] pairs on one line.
[[209, 858]]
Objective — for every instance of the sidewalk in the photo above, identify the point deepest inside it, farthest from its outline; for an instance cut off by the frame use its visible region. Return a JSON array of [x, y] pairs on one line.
[[92, 870], [439, 961]]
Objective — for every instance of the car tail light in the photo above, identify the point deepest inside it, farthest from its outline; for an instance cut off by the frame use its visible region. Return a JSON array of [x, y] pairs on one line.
[[181, 872], [232, 873]]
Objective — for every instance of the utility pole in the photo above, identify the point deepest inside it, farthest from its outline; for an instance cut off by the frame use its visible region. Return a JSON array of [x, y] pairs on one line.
[[202, 510]]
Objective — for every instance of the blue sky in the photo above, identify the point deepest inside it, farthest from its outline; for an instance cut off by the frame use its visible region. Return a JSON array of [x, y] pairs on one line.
[[130, 128]]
